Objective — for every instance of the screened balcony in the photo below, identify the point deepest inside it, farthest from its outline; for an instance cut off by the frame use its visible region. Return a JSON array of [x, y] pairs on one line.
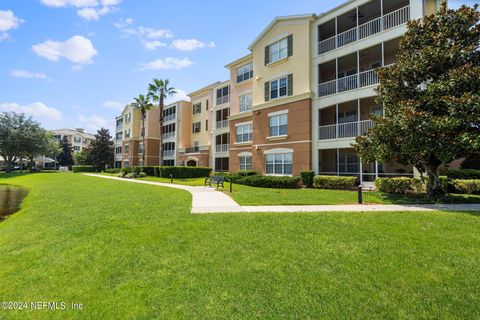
[[347, 120], [222, 143], [222, 118], [356, 70], [365, 21], [168, 149]]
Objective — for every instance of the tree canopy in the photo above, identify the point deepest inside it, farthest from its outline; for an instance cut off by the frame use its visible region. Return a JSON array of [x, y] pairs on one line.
[[430, 96], [100, 151]]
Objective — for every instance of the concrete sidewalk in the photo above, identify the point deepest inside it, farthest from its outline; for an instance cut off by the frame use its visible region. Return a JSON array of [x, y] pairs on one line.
[[207, 200]]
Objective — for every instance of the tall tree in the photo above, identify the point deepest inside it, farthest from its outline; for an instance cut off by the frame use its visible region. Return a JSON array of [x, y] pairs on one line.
[[100, 151], [41, 143], [16, 137], [65, 158], [159, 90], [431, 96], [143, 104], [80, 158]]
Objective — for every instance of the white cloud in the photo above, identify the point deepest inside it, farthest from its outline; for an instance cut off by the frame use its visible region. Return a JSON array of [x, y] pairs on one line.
[[77, 49], [153, 45], [8, 21], [37, 110], [180, 95], [147, 35], [29, 75], [94, 122], [190, 44], [112, 104], [87, 9], [168, 63]]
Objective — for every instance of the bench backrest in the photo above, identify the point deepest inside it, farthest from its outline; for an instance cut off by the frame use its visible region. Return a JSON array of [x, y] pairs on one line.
[[217, 178]]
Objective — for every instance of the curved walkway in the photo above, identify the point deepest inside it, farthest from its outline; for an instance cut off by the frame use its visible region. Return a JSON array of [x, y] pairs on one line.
[[208, 200]]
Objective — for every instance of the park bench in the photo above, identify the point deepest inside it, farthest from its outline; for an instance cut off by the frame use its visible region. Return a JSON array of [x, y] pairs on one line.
[[218, 180]]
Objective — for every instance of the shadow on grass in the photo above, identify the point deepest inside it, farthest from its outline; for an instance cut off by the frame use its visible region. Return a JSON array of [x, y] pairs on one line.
[[10, 175], [423, 199]]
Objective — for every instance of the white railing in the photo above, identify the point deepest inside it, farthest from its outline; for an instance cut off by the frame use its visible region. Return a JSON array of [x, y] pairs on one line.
[[222, 100], [368, 78], [222, 124], [327, 45], [170, 117], [221, 148], [370, 28], [168, 135], [168, 153], [355, 81], [344, 130]]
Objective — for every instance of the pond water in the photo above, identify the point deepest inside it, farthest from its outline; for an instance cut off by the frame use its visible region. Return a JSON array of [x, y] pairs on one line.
[[11, 198]]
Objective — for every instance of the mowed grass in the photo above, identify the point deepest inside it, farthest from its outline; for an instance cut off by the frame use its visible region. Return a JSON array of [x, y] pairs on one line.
[[250, 196], [132, 251]]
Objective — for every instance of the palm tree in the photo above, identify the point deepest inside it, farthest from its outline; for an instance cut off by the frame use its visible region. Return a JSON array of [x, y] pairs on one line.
[[143, 104], [159, 90]]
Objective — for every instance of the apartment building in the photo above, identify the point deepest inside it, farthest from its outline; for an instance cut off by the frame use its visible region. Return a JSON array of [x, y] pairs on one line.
[[78, 138], [299, 99]]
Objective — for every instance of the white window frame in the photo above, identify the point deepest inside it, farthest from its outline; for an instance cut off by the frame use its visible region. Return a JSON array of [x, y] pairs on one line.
[[276, 158], [280, 83], [197, 108], [246, 104], [242, 130], [278, 121], [127, 133], [246, 69], [245, 162], [278, 50]]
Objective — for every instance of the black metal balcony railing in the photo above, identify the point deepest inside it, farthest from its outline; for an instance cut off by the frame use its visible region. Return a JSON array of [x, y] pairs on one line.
[[192, 150]]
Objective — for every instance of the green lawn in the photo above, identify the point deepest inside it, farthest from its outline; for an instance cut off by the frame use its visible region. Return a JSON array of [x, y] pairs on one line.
[[250, 196], [134, 251]]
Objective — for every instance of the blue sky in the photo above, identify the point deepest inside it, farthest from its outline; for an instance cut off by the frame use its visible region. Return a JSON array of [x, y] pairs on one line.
[[75, 63]]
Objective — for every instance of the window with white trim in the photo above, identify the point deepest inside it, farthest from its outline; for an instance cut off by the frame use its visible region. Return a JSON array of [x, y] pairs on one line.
[[278, 164], [196, 127], [244, 133], [118, 150], [279, 88], [127, 148], [128, 118], [245, 163], [245, 72], [278, 125], [141, 148], [278, 50], [245, 103], [197, 108], [127, 133]]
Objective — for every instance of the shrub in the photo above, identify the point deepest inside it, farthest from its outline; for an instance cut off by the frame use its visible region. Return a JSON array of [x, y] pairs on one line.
[[462, 174], [113, 171], [466, 186], [307, 178], [156, 171], [398, 185], [335, 183], [83, 168], [185, 172], [270, 182]]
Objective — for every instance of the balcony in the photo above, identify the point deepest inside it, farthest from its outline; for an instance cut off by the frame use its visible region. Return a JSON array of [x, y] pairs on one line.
[[192, 150], [168, 135], [356, 81], [223, 99], [365, 30], [222, 124], [170, 117], [344, 130], [221, 148], [168, 153]]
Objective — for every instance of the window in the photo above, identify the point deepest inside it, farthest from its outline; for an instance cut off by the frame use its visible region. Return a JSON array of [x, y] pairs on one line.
[[245, 163], [118, 150], [141, 148], [278, 50], [278, 164], [223, 95], [197, 108], [278, 125], [206, 104], [128, 118], [196, 127], [347, 116], [245, 72], [126, 163], [127, 148], [169, 163], [244, 133], [119, 122], [278, 88], [245, 103], [76, 148], [127, 133], [118, 136], [348, 163], [206, 125], [77, 139]]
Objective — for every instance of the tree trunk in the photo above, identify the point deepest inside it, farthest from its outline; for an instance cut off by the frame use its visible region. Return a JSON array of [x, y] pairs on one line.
[[160, 105], [435, 188]]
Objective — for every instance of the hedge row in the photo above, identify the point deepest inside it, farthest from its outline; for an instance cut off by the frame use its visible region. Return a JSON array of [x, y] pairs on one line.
[[462, 174], [165, 172], [335, 182], [399, 185], [84, 168], [270, 182], [466, 186]]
